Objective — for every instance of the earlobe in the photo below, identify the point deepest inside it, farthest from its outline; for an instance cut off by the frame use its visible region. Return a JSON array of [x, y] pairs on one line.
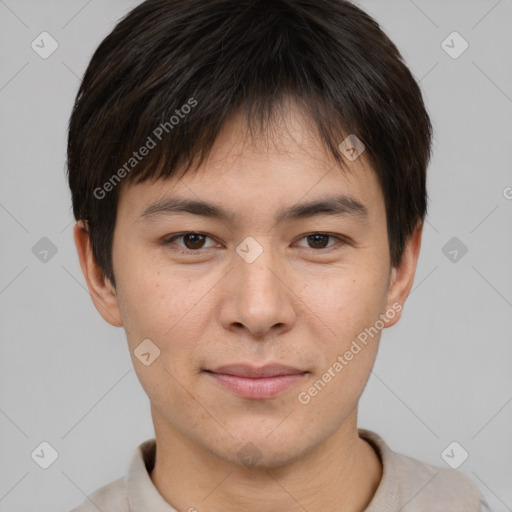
[[402, 277], [103, 294]]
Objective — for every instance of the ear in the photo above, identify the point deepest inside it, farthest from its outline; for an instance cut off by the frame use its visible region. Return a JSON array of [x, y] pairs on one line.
[[103, 294], [402, 277]]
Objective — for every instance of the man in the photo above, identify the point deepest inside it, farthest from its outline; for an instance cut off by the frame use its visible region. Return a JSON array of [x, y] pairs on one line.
[[248, 179]]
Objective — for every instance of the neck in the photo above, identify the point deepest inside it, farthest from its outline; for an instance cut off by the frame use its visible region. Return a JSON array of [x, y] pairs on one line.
[[341, 474]]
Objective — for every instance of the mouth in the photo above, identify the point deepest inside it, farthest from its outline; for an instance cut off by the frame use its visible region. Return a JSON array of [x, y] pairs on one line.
[[257, 382]]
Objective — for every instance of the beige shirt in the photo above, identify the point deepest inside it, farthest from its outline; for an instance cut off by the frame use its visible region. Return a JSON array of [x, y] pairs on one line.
[[407, 485]]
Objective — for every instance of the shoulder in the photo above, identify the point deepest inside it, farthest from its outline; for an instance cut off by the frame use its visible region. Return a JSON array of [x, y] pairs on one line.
[[112, 497], [411, 485], [425, 485]]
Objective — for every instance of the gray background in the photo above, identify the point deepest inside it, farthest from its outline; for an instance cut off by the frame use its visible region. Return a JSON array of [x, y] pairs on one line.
[[443, 373]]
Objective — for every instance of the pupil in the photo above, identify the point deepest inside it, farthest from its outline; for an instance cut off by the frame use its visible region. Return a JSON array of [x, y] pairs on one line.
[[192, 236], [317, 239]]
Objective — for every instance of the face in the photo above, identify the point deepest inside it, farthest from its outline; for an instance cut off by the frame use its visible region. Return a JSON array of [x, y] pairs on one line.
[[290, 301]]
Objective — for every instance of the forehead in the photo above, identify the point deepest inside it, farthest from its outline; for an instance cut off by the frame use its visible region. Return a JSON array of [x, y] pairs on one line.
[[260, 172]]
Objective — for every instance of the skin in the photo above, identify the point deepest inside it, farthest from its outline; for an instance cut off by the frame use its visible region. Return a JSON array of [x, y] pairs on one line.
[[298, 304]]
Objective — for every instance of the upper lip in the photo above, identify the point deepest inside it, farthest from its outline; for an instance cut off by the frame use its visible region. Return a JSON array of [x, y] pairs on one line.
[[246, 370]]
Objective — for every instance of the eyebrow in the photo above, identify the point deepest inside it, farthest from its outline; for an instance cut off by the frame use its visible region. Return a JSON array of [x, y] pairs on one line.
[[337, 205]]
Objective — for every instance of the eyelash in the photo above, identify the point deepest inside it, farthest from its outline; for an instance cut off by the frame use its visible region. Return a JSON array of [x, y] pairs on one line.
[[191, 252]]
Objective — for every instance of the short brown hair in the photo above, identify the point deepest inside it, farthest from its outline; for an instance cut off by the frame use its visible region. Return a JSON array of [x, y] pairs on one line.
[[181, 69]]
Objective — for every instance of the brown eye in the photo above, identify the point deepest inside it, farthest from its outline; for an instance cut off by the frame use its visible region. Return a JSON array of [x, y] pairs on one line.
[[318, 241], [192, 242]]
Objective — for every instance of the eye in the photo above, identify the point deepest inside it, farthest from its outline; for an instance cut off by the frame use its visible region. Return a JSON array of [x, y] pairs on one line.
[[319, 240], [193, 242]]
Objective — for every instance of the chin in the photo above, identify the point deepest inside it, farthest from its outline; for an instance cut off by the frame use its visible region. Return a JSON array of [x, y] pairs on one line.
[[262, 451]]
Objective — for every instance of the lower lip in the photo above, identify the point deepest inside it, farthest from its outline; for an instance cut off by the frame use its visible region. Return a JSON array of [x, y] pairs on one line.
[[264, 387]]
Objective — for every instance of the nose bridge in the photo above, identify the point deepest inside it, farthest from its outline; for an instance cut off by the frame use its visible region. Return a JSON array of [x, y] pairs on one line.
[[256, 271]]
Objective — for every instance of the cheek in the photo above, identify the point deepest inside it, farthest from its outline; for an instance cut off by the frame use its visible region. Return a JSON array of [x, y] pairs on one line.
[[170, 309], [347, 301], [145, 290], [346, 311], [151, 309]]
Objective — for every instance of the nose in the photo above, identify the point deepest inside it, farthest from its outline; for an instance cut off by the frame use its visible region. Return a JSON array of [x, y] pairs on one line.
[[259, 296]]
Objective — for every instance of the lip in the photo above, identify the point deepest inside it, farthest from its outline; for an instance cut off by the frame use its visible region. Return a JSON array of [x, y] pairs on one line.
[[254, 372], [257, 382]]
